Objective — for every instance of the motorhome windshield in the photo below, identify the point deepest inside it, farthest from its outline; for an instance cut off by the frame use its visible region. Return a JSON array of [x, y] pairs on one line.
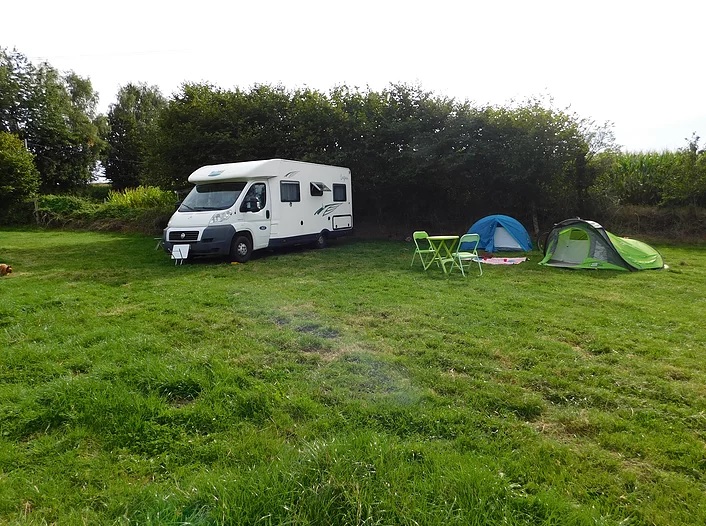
[[214, 196]]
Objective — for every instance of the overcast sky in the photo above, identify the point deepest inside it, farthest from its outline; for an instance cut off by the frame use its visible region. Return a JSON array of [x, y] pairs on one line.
[[638, 64]]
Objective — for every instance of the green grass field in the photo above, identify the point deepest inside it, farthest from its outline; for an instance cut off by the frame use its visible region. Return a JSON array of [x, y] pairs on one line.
[[341, 386]]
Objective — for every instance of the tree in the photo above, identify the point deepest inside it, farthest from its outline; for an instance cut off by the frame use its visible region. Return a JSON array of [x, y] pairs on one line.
[[392, 141], [55, 115], [196, 128], [132, 135], [413, 154], [314, 127], [542, 153], [19, 178], [594, 158], [16, 87], [207, 125]]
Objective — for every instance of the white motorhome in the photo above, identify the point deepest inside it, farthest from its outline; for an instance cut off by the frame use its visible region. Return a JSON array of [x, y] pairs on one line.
[[236, 208]]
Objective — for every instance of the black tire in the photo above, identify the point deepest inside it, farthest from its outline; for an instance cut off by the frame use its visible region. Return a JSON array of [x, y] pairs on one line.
[[241, 248], [321, 240]]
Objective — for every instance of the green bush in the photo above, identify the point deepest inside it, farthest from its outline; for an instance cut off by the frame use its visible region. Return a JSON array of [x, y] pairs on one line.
[[19, 178], [143, 197], [61, 210], [96, 191], [70, 206], [144, 210], [17, 213]]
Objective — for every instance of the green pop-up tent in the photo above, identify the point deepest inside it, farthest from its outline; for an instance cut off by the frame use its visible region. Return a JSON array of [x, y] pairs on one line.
[[576, 243]]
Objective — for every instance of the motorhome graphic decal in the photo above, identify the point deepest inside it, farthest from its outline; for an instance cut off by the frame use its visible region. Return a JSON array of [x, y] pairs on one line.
[[327, 209]]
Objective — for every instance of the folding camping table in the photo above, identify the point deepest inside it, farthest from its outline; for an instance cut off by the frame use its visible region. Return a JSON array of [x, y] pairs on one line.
[[443, 249]]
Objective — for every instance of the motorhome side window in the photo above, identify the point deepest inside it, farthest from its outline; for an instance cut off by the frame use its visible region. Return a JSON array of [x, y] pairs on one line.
[[289, 191], [318, 189], [339, 192], [256, 198]]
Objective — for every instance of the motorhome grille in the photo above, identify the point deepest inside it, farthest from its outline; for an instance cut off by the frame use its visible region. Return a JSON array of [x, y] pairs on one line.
[[183, 235]]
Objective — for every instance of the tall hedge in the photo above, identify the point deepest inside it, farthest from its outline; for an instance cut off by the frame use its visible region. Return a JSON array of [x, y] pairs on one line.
[[415, 156]]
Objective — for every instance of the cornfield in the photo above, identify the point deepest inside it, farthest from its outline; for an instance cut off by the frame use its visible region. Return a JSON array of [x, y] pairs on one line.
[[658, 178]]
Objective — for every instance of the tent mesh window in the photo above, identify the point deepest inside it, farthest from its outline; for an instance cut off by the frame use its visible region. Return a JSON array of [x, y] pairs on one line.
[[601, 250], [605, 252]]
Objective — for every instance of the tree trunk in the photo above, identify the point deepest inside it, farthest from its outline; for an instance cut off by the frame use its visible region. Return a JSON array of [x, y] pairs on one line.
[[535, 220]]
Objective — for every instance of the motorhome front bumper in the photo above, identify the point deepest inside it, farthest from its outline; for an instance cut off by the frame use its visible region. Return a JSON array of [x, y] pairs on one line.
[[213, 241]]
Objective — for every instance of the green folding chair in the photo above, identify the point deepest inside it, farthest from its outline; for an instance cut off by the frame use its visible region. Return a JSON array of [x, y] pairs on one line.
[[460, 257], [423, 249]]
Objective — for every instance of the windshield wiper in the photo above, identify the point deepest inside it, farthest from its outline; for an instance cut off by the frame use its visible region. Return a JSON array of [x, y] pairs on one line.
[[198, 208]]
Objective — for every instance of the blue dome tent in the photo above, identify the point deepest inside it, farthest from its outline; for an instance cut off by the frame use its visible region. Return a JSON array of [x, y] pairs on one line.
[[499, 232]]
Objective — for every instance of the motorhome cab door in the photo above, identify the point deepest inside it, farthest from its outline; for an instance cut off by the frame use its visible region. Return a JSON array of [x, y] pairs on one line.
[[255, 213]]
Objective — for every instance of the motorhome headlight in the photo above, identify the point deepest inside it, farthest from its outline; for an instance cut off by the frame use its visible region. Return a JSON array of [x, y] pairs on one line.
[[219, 217]]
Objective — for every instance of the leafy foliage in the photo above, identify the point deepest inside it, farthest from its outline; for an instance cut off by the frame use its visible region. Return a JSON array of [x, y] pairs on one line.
[[19, 178], [417, 157], [142, 197], [132, 136], [61, 209], [443, 156], [142, 209], [55, 114]]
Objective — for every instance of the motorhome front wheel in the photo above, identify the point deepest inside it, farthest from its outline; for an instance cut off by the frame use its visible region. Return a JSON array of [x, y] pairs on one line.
[[241, 249]]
